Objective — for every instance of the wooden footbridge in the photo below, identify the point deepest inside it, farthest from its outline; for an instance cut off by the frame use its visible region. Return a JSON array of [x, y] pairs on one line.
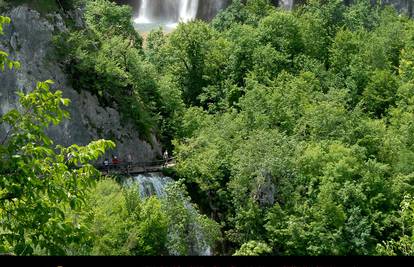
[[129, 168]]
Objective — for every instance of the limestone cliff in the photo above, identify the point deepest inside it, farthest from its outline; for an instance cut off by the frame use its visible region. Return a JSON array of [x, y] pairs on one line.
[[404, 6], [28, 39]]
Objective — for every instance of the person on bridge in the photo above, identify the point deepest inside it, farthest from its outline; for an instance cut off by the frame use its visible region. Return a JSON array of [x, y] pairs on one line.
[[115, 160], [129, 160], [106, 165], [165, 156]]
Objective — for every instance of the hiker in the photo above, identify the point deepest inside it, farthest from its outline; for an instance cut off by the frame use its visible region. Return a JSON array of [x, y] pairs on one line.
[[165, 156], [129, 160], [106, 165], [115, 160]]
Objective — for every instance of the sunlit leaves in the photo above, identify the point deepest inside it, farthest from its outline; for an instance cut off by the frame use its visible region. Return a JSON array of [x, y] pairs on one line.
[[5, 62], [39, 181], [312, 156]]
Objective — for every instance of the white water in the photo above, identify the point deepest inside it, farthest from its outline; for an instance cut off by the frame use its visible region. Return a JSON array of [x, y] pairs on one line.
[[167, 13], [154, 184], [143, 12], [188, 10], [287, 4], [150, 184], [152, 14]]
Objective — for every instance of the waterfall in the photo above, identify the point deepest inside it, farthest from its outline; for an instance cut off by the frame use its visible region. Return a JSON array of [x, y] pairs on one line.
[[188, 10], [154, 184], [151, 14], [143, 12], [287, 4], [169, 11], [151, 184]]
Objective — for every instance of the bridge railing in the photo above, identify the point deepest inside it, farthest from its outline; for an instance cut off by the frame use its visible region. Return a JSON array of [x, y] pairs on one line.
[[127, 166]]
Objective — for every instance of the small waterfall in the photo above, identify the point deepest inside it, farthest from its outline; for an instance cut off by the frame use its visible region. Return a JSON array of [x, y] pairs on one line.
[[151, 184], [155, 184]]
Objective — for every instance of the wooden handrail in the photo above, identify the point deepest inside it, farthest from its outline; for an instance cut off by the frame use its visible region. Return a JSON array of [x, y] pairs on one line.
[[142, 164]]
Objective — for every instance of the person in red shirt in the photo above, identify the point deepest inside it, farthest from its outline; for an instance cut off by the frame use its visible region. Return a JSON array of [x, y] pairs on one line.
[[115, 160]]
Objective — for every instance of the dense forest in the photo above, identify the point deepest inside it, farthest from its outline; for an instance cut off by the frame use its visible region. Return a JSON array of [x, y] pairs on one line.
[[293, 133]]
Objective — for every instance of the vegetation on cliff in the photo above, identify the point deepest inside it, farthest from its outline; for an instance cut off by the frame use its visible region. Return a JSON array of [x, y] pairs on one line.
[[295, 128], [54, 202]]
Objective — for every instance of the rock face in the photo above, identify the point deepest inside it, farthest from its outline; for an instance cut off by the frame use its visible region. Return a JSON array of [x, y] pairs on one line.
[[404, 6], [28, 40], [208, 9]]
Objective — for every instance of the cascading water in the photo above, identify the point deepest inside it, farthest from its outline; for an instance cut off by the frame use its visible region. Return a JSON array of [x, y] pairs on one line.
[[188, 10], [143, 13], [152, 14], [151, 184], [287, 4], [155, 184], [167, 13]]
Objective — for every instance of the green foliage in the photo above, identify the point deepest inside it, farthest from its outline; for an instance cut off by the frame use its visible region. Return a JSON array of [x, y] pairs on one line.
[[404, 246], [305, 145], [380, 92], [120, 223], [235, 13], [106, 18], [295, 128], [109, 63], [189, 46], [281, 31], [253, 248], [4, 57], [189, 231], [40, 181]]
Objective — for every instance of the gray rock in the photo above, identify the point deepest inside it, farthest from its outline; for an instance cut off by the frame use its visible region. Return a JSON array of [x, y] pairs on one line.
[[264, 189], [57, 21], [28, 40], [404, 6], [77, 16]]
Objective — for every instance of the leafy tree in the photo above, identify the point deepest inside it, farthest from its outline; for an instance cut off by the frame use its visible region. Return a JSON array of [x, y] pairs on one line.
[[4, 60], [189, 46], [311, 156], [39, 181], [235, 13], [253, 248], [380, 92], [110, 64], [189, 232], [244, 41], [281, 30], [120, 223], [404, 245], [106, 18]]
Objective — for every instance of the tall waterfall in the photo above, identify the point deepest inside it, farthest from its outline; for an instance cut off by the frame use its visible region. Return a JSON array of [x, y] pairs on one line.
[[143, 12], [287, 4], [188, 10], [167, 11]]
